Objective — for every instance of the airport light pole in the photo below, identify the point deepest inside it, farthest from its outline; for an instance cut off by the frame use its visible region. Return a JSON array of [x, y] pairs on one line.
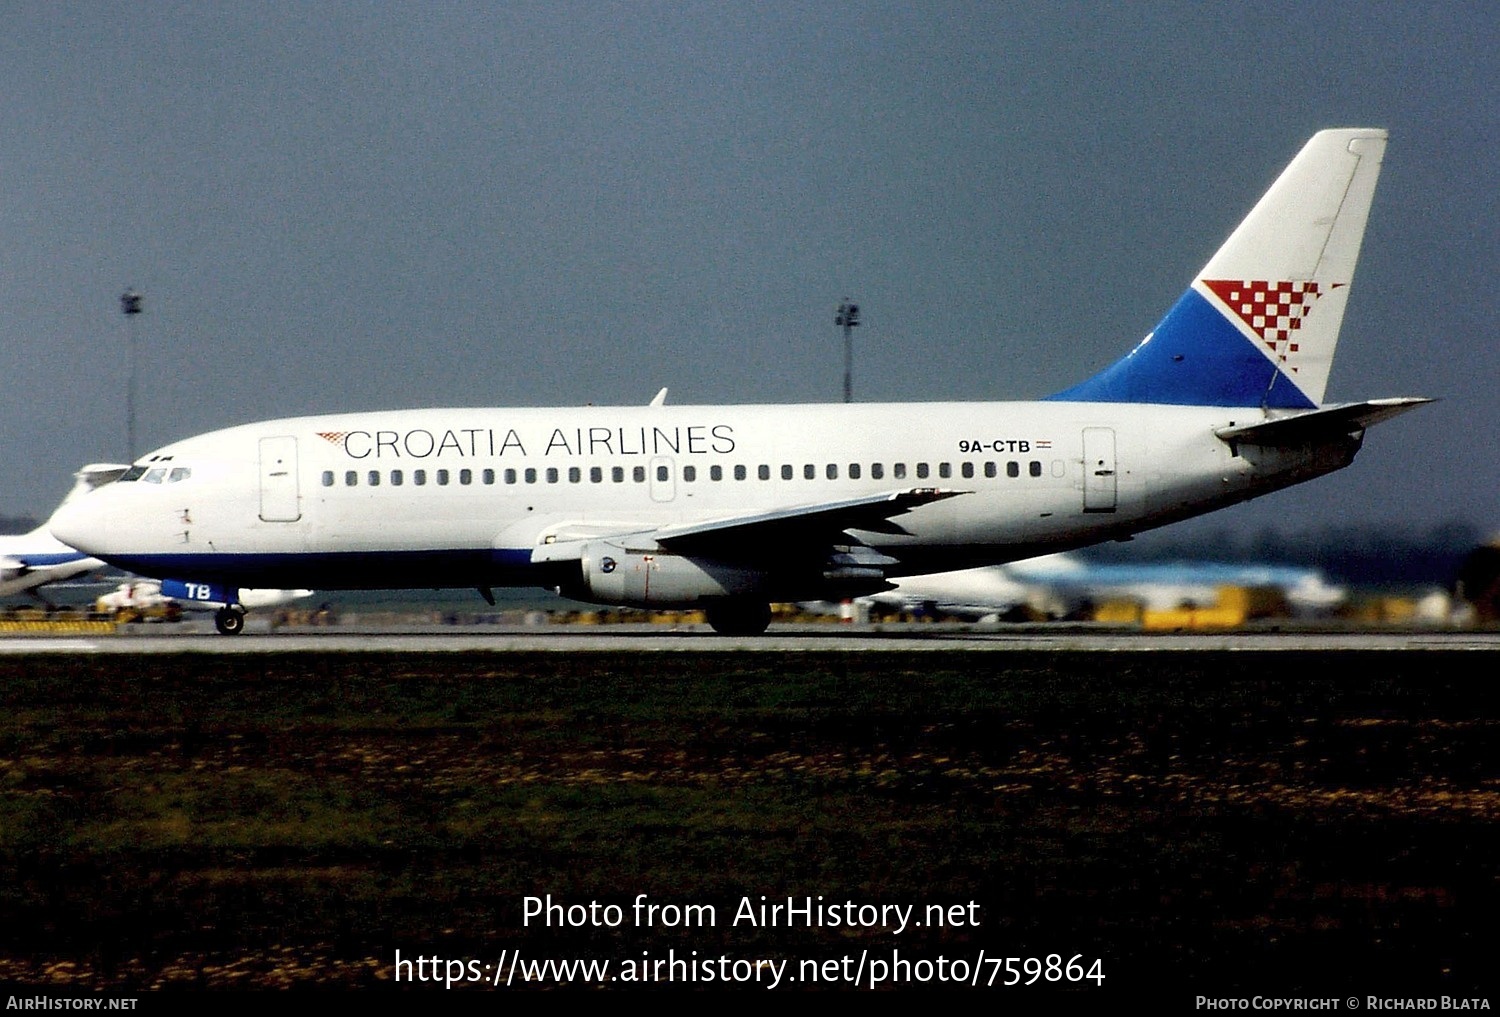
[[847, 318], [130, 304]]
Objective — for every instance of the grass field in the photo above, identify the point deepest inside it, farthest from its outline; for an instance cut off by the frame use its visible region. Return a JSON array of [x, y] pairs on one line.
[[1221, 823]]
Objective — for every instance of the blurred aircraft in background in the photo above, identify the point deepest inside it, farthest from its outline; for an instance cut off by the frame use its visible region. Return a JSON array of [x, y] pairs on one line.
[[1063, 585], [32, 560]]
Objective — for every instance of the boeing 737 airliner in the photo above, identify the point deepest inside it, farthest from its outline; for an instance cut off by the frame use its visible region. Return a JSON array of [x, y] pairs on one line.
[[731, 508]]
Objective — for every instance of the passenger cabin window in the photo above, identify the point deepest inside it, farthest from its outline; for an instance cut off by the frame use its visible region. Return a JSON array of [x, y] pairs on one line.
[[466, 476], [877, 471], [1012, 469], [442, 476], [1036, 468], [351, 478], [854, 471], [396, 478], [764, 472], [419, 477], [638, 474], [899, 471], [690, 473], [374, 478], [327, 478]]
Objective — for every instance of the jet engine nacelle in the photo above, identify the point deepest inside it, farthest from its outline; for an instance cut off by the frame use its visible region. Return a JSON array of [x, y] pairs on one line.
[[612, 574]]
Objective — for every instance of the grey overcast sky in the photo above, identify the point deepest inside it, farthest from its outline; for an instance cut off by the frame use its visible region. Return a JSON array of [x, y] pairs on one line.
[[338, 206]]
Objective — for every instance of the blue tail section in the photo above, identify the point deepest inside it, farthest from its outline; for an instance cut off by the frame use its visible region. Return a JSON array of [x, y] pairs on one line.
[[1196, 357]]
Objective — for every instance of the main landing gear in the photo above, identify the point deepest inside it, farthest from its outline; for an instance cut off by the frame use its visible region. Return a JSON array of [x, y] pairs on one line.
[[230, 621], [739, 617]]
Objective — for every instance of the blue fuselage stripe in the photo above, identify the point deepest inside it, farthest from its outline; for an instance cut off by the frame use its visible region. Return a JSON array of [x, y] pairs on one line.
[[349, 570]]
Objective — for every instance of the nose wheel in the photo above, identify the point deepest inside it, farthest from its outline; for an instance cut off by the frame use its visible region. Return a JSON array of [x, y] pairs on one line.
[[230, 621]]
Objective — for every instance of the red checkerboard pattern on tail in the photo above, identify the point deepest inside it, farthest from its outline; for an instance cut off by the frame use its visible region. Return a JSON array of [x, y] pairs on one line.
[[1273, 310]]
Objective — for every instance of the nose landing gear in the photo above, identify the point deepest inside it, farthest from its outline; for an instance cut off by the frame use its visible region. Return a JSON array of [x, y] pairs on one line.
[[230, 621]]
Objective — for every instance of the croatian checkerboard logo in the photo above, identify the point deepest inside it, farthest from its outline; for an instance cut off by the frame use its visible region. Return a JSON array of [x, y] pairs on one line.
[[1274, 311]]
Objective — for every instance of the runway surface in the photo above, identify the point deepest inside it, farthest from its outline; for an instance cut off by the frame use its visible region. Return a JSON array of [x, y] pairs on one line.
[[199, 637]]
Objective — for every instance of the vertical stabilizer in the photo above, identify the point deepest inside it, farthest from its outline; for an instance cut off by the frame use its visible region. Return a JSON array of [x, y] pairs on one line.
[[1259, 325]]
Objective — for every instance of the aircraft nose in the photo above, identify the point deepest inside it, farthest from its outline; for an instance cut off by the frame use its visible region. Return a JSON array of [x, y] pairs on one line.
[[81, 525]]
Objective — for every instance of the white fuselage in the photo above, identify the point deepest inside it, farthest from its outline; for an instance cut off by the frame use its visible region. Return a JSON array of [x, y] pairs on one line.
[[468, 497]]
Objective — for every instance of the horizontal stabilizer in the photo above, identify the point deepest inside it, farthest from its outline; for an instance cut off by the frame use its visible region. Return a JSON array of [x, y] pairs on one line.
[[1315, 424]]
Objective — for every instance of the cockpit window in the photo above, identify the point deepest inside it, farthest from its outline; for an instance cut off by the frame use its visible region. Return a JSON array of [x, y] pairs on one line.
[[156, 474]]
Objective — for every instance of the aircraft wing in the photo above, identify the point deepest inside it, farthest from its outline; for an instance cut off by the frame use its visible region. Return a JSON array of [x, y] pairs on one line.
[[1302, 427], [822, 524]]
